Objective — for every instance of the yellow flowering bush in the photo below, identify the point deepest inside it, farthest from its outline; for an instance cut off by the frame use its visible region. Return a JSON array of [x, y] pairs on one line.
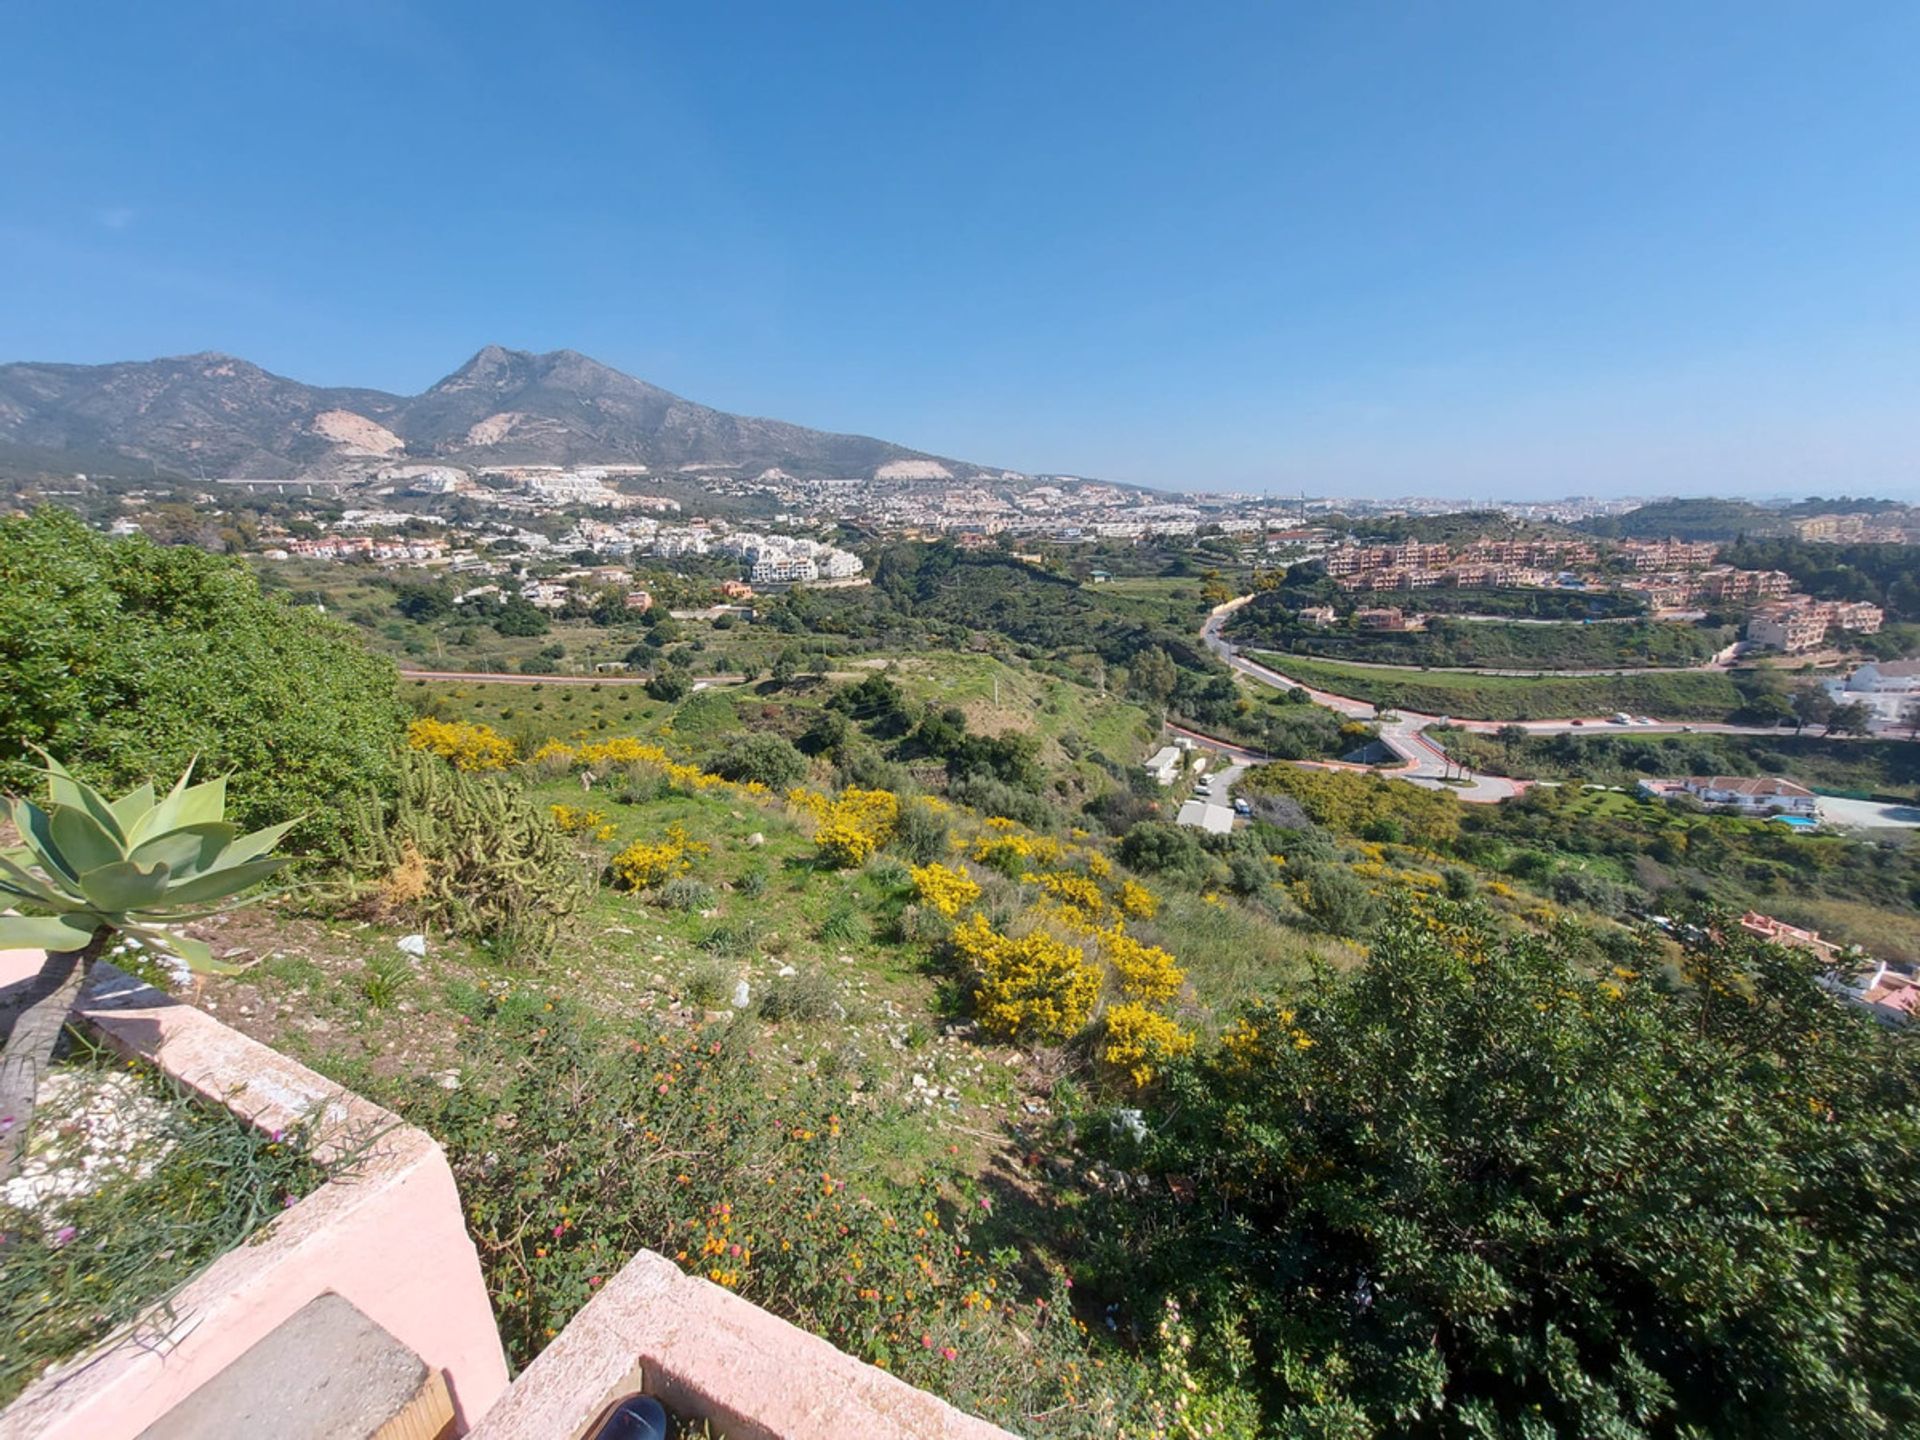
[[645, 864], [857, 825], [578, 820], [1146, 972], [1247, 1041], [1075, 891], [1142, 1042], [464, 746], [1137, 902], [1037, 987], [945, 889], [809, 802]]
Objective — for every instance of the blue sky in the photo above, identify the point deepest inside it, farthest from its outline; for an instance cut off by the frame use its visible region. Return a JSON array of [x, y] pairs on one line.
[[1473, 249]]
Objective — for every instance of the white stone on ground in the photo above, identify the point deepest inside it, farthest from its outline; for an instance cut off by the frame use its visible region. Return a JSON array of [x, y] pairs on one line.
[[90, 1126]]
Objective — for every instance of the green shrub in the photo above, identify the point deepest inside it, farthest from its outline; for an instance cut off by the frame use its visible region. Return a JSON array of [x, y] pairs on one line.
[[1551, 1200], [128, 660], [844, 922], [769, 759], [921, 834], [683, 892], [709, 983], [808, 995], [735, 939]]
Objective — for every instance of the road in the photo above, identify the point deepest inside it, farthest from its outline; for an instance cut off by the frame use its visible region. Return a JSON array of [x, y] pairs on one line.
[[1422, 761], [1425, 763]]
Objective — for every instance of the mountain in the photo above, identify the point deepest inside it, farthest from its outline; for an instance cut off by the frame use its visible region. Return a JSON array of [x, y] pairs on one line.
[[223, 417]]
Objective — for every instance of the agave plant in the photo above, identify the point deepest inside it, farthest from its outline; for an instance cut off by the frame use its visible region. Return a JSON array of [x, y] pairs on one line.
[[89, 869]]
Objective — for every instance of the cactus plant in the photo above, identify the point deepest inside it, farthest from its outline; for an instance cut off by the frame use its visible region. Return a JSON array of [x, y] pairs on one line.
[[87, 869], [487, 861]]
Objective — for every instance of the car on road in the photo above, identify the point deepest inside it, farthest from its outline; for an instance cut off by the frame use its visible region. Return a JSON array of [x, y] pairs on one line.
[[1241, 807]]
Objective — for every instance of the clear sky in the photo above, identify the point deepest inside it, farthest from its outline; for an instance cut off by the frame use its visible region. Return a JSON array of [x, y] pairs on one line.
[[1514, 249]]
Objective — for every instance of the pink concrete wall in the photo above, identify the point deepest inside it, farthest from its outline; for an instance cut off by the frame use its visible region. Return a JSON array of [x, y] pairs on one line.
[[712, 1355], [389, 1236]]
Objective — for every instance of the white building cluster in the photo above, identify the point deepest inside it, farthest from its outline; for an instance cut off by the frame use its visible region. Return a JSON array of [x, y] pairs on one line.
[[788, 560]]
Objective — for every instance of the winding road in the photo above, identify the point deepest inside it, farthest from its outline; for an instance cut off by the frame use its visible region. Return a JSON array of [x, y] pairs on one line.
[[1423, 761]]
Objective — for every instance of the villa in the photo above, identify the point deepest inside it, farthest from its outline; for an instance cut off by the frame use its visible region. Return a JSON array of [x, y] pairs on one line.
[[1751, 795]]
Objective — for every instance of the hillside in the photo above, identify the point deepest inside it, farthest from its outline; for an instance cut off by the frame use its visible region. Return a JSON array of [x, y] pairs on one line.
[[220, 416], [1696, 519]]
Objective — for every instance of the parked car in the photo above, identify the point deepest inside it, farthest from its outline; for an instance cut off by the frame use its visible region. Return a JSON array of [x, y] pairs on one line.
[[1241, 807]]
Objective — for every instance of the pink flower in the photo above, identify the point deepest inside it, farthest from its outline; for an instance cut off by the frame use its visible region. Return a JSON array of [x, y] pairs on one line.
[[926, 1342], [558, 1231], [64, 1234], [985, 1203], [947, 1352]]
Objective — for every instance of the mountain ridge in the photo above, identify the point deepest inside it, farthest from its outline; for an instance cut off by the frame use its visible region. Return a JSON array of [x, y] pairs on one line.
[[222, 416]]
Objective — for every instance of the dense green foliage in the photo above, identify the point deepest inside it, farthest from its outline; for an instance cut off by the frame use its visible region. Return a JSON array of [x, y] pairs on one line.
[[1307, 584], [769, 759], [129, 660], [1887, 575], [1475, 1189]]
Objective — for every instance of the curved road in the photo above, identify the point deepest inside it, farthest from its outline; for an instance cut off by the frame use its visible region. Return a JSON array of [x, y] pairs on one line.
[[1425, 762]]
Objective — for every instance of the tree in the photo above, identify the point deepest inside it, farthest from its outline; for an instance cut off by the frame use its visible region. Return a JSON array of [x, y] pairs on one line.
[[1153, 676], [520, 617], [1510, 738], [786, 666], [1485, 1187], [423, 602], [1910, 717], [1812, 705], [767, 758], [669, 683], [129, 660], [1853, 718], [88, 870]]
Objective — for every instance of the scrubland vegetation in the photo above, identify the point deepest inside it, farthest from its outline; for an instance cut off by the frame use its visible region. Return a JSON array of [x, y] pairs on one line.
[[885, 993]]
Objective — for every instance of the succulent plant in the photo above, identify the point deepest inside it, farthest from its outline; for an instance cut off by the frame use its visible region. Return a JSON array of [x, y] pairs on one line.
[[87, 869], [132, 865]]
